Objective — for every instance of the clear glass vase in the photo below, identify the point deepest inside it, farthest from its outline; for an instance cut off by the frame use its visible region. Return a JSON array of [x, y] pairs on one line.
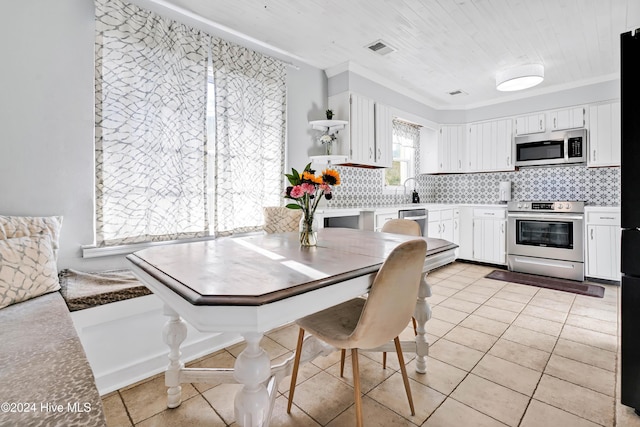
[[329, 148], [308, 230]]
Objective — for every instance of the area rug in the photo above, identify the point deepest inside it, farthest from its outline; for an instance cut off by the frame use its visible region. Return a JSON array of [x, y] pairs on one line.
[[547, 282]]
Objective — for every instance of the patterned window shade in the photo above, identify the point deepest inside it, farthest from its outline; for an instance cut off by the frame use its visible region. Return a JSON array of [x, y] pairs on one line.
[[248, 156], [161, 174]]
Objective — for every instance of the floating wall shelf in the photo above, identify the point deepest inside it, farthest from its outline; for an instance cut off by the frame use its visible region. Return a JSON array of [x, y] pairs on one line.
[[328, 160], [329, 126]]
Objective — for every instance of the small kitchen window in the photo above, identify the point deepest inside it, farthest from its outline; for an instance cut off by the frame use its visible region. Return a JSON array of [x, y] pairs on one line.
[[406, 137]]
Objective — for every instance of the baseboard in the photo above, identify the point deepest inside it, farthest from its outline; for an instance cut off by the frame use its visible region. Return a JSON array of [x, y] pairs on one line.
[[123, 376], [123, 341]]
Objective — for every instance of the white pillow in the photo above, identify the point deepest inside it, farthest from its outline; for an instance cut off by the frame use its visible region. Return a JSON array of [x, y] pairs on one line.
[[21, 226], [27, 269]]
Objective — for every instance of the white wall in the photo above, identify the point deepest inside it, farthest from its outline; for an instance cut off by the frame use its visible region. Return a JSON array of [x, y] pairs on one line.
[[47, 115], [47, 118]]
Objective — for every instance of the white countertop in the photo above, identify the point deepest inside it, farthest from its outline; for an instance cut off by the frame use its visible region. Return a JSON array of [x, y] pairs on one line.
[[602, 208], [394, 208]]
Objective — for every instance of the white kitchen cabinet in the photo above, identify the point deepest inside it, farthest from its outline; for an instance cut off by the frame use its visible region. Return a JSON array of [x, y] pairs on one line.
[[446, 153], [568, 118], [532, 123], [367, 139], [383, 135], [489, 235], [604, 134], [382, 218], [444, 223], [490, 147], [603, 243], [451, 149]]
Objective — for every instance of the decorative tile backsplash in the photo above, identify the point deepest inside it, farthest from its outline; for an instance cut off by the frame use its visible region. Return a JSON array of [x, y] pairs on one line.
[[596, 186]]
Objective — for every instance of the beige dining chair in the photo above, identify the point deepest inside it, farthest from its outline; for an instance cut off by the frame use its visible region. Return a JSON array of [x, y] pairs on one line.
[[397, 226], [369, 323], [279, 219]]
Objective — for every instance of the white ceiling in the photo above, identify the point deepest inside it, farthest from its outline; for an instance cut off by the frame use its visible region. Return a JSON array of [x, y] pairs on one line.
[[442, 45]]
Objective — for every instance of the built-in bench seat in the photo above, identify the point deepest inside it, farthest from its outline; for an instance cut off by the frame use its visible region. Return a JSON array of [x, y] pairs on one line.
[[44, 371]]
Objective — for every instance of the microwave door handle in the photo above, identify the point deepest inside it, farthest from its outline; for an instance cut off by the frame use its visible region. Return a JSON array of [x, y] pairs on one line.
[[566, 148]]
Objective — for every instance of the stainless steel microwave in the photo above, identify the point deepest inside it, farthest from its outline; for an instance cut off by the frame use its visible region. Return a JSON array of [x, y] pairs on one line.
[[551, 148]]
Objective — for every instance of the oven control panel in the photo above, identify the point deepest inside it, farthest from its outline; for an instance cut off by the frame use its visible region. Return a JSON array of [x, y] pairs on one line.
[[546, 206]]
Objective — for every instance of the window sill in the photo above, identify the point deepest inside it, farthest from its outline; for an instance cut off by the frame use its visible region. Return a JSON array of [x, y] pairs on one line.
[[92, 251]]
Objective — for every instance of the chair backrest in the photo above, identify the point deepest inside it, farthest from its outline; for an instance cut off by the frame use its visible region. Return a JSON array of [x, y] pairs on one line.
[[402, 226], [392, 298], [279, 219]]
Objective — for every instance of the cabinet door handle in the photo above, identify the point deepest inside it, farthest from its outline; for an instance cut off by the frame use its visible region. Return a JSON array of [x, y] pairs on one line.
[[502, 228], [540, 124], [370, 153], [594, 155], [606, 217], [508, 160], [554, 123], [459, 164], [443, 226], [439, 228], [592, 234]]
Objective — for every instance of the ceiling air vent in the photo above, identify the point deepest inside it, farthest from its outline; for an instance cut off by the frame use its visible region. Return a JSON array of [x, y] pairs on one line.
[[380, 47], [457, 92]]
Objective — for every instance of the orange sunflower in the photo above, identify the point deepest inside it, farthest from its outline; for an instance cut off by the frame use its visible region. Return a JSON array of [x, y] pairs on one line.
[[331, 176]]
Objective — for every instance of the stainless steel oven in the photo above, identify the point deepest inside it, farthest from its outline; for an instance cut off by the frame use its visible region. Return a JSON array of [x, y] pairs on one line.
[[546, 238]]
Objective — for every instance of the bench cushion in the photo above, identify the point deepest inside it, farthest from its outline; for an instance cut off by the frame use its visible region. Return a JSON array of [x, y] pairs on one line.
[[43, 362], [83, 290]]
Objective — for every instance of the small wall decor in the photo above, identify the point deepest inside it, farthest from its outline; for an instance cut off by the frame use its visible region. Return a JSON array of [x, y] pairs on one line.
[[329, 114]]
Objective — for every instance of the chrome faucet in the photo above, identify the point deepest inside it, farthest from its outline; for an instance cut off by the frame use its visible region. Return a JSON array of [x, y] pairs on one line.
[[404, 186]]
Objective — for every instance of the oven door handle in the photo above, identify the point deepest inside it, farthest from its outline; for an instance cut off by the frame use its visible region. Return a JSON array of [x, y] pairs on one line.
[[534, 216]]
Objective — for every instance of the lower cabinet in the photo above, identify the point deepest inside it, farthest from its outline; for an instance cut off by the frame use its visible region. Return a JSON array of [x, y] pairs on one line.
[[603, 244], [483, 234], [444, 224], [382, 218]]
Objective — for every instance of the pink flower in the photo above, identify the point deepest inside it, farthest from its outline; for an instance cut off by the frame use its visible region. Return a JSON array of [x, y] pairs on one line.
[[325, 188], [308, 188], [297, 191]]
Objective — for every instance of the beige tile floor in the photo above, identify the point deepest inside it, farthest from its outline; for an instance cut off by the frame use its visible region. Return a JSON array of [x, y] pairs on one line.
[[501, 354]]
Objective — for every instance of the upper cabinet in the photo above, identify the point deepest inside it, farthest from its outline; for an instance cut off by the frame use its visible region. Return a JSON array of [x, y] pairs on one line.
[[383, 135], [366, 140], [533, 123], [444, 152], [568, 118], [604, 134], [489, 146]]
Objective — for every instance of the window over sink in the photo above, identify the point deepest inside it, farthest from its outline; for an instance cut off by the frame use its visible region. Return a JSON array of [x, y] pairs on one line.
[[405, 137]]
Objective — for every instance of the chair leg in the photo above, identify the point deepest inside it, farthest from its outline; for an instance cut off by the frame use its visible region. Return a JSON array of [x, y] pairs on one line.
[[415, 326], [384, 360], [296, 365], [343, 354], [356, 386], [405, 378]]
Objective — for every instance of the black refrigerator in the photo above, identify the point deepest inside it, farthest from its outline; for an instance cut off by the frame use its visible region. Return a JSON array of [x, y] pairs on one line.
[[630, 207]]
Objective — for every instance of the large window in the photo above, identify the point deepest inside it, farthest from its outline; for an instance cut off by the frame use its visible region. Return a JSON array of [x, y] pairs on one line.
[[189, 130], [405, 139]]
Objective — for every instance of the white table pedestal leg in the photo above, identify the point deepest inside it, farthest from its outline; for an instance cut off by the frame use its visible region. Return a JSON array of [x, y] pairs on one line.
[[173, 334], [252, 369], [422, 313]]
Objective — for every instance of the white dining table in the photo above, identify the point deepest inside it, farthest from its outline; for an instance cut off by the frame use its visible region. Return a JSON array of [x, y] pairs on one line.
[[253, 284]]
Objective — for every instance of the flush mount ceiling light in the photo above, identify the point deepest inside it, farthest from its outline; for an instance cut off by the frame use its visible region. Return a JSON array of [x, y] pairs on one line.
[[518, 78]]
